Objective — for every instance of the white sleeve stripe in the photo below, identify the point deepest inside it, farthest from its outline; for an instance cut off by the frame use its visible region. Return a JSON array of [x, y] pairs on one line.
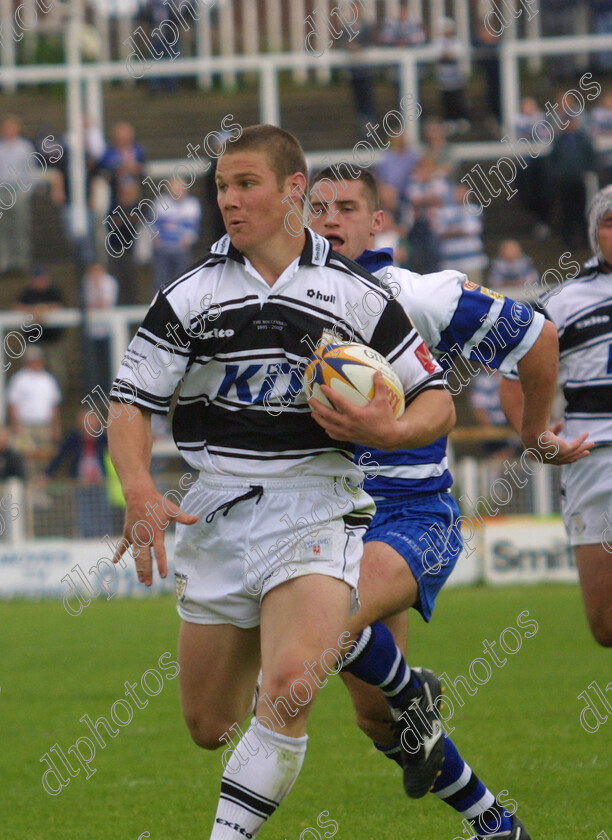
[[436, 381], [488, 323], [527, 342]]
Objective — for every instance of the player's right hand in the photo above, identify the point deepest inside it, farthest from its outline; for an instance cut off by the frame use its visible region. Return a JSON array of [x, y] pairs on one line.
[[147, 517], [567, 451]]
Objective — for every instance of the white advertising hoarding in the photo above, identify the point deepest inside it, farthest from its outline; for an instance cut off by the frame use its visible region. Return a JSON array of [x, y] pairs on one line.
[[526, 549]]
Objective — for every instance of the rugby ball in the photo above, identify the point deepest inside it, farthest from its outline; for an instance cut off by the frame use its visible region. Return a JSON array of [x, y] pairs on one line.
[[349, 370]]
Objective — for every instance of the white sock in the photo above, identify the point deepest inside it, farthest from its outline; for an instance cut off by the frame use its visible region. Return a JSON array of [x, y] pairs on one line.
[[257, 778]]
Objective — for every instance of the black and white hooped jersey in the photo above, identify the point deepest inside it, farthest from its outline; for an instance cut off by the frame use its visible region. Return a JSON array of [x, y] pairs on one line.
[[237, 346], [582, 313]]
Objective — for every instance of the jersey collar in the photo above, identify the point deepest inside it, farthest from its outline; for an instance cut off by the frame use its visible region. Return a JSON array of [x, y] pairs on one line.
[[374, 260], [224, 246], [316, 249]]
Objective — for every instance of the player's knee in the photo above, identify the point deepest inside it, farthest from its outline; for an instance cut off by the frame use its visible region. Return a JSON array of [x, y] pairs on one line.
[[206, 733], [286, 694], [601, 628]]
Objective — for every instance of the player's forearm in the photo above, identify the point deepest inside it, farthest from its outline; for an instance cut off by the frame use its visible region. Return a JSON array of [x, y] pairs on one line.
[[429, 416], [130, 442], [511, 399], [538, 371]]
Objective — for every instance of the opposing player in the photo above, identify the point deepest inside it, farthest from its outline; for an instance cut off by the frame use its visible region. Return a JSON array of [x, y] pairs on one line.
[[582, 312], [415, 510], [224, 334]]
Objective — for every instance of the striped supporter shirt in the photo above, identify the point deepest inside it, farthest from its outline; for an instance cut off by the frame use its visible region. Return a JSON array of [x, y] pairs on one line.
[[456, 318], [236, 347]]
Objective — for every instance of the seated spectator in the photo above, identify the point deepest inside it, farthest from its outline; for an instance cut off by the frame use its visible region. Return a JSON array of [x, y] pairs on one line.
[[125, 235], [361, 76], [600, 125], [571, 157], [437, 147], [178, 229], [11, 462], [123, 160], [533, 182], [33, 397], [82, 456], [427, 190], [460, 234], [94, 147], [159, 11], [512, 267], [39, 298], [101, 291], [452, 82], [403, 30], [394, 173]]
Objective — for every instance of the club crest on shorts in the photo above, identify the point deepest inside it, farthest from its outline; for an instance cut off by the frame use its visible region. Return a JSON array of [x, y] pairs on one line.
[[318, 547], [180, 584]]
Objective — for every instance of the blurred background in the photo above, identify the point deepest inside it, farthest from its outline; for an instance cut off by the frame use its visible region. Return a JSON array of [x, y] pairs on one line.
[[113, 114]]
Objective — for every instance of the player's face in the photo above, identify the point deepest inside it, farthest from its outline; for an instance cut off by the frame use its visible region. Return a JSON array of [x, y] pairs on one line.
[[349, 224], [604, 234], [249, 198]]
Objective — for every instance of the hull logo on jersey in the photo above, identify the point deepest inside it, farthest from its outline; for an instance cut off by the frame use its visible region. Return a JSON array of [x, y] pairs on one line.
[[424, 356], [471, 287], [180, 585], [317, 295]]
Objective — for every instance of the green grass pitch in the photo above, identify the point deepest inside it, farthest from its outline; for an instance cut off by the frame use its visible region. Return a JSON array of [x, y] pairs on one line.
[[520, 732]]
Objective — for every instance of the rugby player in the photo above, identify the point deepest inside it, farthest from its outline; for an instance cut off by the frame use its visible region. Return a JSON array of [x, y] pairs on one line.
[[412, 489], [582, 311], [271, 295]]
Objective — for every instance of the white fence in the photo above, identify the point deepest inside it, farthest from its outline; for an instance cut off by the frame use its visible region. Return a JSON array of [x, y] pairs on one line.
[[226, 28]]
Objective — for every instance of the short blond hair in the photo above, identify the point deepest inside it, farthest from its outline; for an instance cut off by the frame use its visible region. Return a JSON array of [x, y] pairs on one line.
[[282, 149]]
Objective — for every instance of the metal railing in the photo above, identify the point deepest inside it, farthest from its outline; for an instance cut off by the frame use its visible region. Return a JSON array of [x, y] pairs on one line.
[[69, 509], [85, 82]]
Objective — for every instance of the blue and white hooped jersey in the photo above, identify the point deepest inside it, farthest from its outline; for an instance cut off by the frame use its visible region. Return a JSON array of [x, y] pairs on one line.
[[456, 318], [582, 312]]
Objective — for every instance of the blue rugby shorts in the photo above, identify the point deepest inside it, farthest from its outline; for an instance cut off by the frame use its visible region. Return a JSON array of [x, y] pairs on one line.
[[401, 524]]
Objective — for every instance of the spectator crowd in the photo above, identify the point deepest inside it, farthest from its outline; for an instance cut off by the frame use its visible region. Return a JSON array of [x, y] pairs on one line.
[[429, 221]]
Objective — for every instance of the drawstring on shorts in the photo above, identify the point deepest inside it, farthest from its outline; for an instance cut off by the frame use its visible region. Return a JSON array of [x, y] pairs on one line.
[[256, 490]]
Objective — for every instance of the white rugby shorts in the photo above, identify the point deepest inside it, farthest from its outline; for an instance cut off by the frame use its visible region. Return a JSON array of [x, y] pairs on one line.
[[586, 497], [253, 535]]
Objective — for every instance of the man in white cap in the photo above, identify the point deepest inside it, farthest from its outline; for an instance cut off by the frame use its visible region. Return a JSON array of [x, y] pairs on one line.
[[582, 312]]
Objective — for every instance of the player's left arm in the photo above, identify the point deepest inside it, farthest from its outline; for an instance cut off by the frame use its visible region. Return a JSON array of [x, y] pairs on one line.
[[429, 416], [526, 402]]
